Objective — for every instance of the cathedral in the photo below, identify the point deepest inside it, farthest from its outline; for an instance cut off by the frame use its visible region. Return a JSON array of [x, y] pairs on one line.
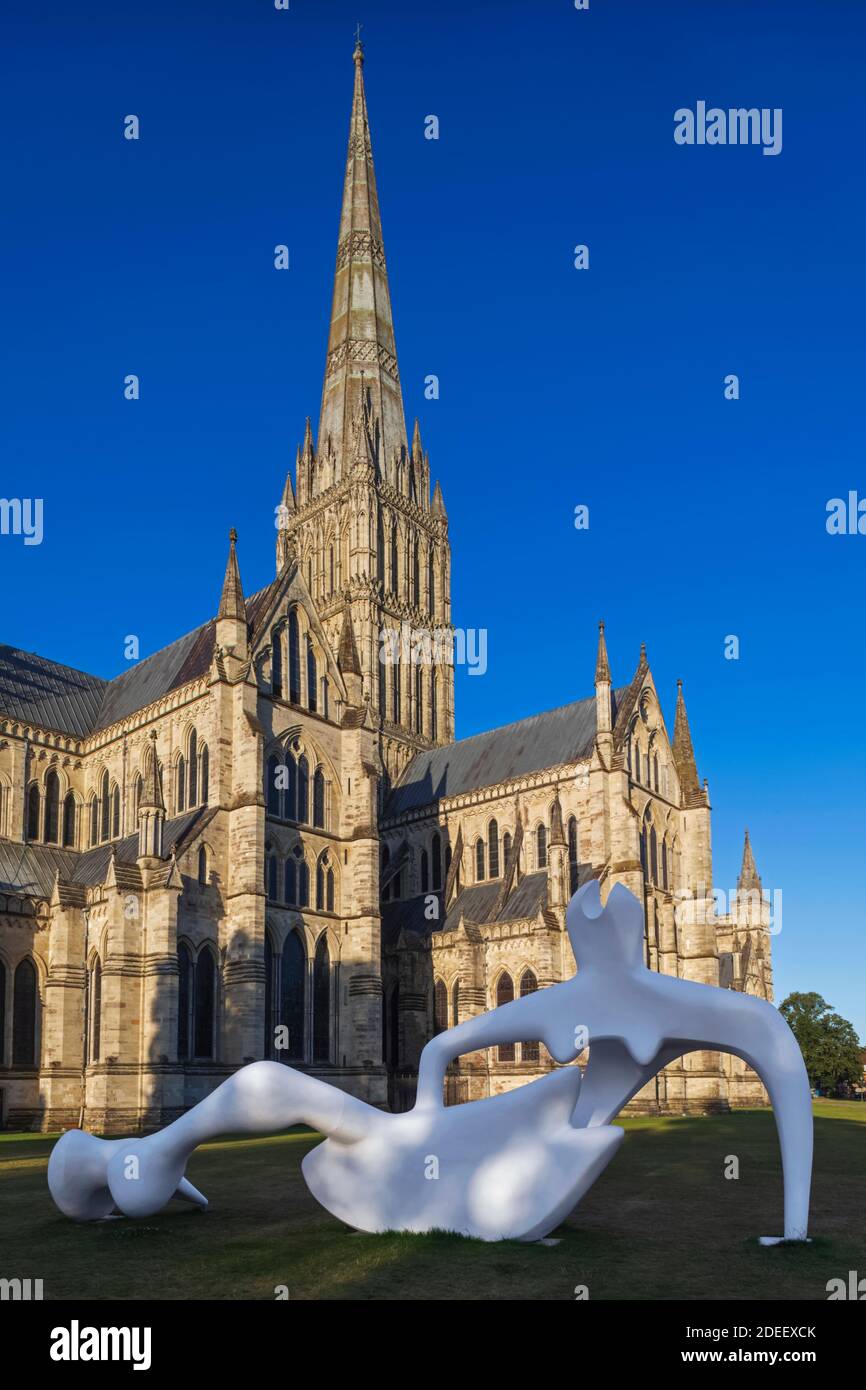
[[263, 840]]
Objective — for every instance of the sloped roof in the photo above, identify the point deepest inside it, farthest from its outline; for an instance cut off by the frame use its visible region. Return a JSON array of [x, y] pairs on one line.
[[476, 904], [43, 692], [562, 735], [30, 869]]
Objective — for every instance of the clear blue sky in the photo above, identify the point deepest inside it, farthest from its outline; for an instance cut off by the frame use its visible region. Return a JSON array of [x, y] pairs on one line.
[[558, 387]]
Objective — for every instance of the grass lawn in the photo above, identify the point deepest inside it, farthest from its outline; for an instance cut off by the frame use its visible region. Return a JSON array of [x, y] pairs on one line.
[[661, 1222]]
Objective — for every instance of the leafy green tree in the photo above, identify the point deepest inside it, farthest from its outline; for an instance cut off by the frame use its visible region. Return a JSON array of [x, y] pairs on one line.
[[828, 1042]]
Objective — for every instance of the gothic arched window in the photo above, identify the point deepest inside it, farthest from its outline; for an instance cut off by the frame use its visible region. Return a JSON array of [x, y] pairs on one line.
[[322, 1001], [455, 1003], [425, 872], [506, 851], [303, 883], [277, 663], [380, 550], [440, 1006], [205, 1002], [656, 771], [664, 864], [504, 995], [434, 713], [320, 887], [529, 1051], [290, 799], [436, 878], [94, 821], [293, 971], [654, 855], [493, 850], [319, 798], [290, 883], [136, 794], [395, 692], [193, 768], [115, 812], [329, 891], [431, 582], [294, 659], [416, 575], [303, 790], [272, 790], [205, 774], [69, 821], [24, 1001], [479, 860], [33, 801], [104, 809], [383, 691], [180, 780], [572, 855], [52, 808], [419, 699], [202, 866], [312, 676], [272, 877], [184, 1001], [94, 1012], [394, 571], [541, 847]]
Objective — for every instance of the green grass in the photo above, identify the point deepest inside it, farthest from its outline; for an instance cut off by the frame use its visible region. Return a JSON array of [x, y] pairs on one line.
[[661, 1222]]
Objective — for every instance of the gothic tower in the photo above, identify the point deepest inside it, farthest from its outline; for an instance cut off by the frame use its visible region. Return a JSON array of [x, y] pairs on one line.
[[360, 519]]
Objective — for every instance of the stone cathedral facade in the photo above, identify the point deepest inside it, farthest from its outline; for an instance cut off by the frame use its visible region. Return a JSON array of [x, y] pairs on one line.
[[264, 841]]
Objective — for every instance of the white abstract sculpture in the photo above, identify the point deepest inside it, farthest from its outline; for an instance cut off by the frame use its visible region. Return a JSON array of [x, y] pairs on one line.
[[512, 1166]]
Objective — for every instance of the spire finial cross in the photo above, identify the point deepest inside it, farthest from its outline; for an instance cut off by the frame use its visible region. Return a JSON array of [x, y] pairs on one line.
[[358, 28]]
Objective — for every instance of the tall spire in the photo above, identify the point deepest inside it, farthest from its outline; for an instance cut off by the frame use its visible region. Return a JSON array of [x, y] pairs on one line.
[[602, 665], [232, 598], [231, 623], [684, 753], [437, 506], [749, 880], [361, 339]]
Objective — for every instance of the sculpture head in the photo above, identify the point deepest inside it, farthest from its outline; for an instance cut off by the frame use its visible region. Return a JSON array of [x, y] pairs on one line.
[[610, 937]]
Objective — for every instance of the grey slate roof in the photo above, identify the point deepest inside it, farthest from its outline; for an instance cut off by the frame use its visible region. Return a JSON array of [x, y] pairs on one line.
[[43, 692], [30, 869], [560, 735], [475, 904]]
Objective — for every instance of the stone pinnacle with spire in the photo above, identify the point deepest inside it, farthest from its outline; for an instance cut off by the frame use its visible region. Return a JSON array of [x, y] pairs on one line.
[[231, 623], [151, 808], [602, 665], [151, 787], [749, 880], [603, 710], [361, 338], [683, 751]]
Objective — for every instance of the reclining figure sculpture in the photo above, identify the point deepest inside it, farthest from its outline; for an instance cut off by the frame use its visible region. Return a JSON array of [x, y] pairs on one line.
[[508, 1167]]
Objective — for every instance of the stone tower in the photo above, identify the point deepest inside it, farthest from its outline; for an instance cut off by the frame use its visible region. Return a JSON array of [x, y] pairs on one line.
[[360, 518]]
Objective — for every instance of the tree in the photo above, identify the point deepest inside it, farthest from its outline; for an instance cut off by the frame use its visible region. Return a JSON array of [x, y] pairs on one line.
[[828, 1042]]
